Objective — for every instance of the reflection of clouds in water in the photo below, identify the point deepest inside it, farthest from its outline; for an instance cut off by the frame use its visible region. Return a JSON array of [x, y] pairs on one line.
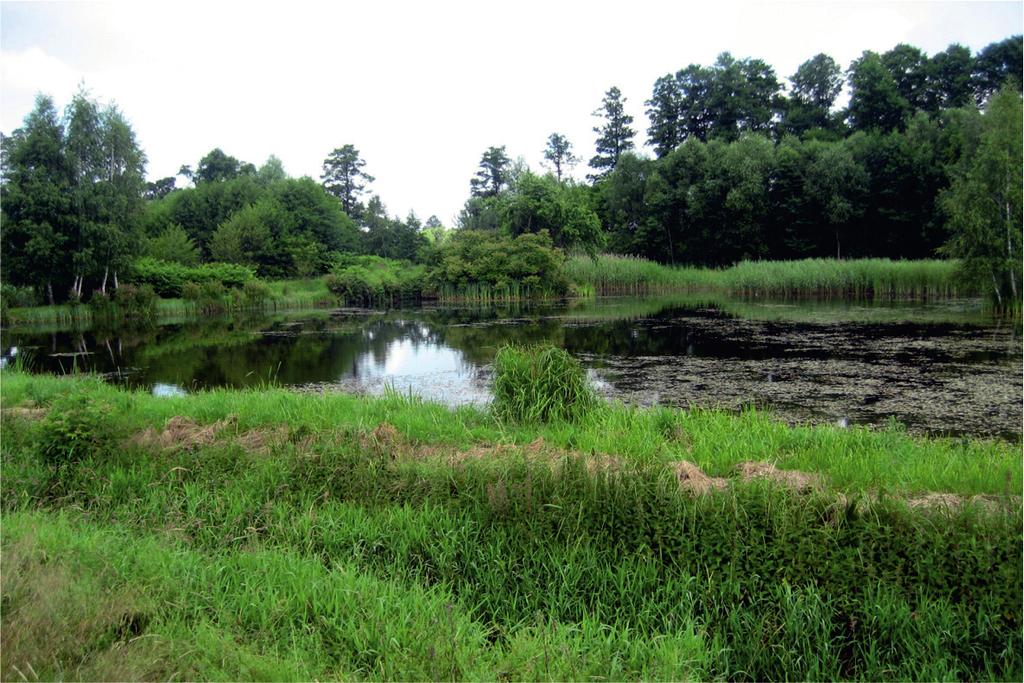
[[8, 357], [168, 390], [428, 370], [411, 358]]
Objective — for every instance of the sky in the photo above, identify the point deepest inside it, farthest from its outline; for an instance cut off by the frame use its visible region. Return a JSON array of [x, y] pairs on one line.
[[420, 88]]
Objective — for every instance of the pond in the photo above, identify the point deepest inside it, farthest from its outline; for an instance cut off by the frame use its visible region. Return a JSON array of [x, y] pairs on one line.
[[941, 368]]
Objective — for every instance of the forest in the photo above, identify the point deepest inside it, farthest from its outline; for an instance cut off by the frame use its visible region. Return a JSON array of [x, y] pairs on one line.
[[923, 161]]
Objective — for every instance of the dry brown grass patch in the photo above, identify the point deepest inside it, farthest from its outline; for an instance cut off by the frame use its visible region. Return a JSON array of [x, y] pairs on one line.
[[266, 440], [182, 433], [29, 413], [692, 479], [801, 482]]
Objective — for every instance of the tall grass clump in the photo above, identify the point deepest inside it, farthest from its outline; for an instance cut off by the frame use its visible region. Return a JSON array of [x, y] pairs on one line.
[[540, 384], [611, 274]]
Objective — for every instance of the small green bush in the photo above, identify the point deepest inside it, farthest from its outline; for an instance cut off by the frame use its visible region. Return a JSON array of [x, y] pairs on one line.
[[482, 264], [75, 427], [369, 280], [168, 279], [540, 384], [136, 301], [18, 297], [255, 293]]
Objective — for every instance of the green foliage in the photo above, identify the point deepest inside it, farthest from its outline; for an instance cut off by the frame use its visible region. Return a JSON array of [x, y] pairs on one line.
[[136, 301], [563, 210], [615, 136], [18, 297], [559, 156], [173, 245], [985, 206], [250, 237], [540, 384], [875, 99], [369, 280], [168, 279], [474, 258], [493, 176], [76, 427], [861, 278], [345, 179], [72, 197]]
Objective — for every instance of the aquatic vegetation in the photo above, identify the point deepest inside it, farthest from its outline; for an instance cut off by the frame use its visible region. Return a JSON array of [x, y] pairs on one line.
[[540, 384], [877, 278]]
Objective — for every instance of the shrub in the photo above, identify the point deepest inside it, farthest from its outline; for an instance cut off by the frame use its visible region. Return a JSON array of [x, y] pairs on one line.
[[75, 427], [136, 301], [168, 279], [540, 384], [473, 261], [368, 280], [18, 297], [255, 293], [208, 297]]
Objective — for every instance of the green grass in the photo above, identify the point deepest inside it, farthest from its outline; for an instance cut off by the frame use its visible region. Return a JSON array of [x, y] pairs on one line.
[[855, 278], [540, 384], [351, 550]]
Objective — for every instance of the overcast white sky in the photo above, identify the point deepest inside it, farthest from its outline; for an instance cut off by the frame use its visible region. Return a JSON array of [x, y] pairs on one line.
[[420, 88]]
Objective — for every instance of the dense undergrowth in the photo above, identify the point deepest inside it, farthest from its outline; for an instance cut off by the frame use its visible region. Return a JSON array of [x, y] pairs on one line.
[[292, 536]]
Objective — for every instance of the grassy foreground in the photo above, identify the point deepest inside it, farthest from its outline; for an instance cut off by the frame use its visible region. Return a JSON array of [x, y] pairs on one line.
[[272, 535]]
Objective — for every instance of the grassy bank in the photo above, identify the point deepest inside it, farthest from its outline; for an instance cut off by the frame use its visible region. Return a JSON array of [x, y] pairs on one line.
[[244, 534], [826, 278]]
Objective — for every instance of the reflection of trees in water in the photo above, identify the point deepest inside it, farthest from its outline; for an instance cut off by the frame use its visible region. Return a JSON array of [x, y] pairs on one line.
[[319, 347]]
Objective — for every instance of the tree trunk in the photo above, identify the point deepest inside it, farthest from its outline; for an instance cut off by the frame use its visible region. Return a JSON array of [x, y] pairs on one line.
[[49, 291], [1010, 255], [103, 287], [995, 286], [838, 254], [115, 281]]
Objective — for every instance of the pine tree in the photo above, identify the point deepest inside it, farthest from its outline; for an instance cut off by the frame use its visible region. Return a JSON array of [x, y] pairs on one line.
[[345, 178], [614, 137], [492, 177], [558, 154]]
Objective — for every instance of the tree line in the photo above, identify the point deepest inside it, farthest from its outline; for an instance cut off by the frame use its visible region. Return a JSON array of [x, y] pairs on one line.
[[742, 168]]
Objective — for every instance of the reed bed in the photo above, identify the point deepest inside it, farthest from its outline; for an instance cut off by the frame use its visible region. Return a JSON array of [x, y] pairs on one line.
[[488, 294], [869, 279], [856, 278]]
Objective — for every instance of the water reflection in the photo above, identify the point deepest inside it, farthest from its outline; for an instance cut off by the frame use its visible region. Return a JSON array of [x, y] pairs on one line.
[[942, 368], [168, 390]]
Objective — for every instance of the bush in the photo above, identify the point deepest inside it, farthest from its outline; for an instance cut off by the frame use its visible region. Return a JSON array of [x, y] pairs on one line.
[[136, 301], [473, 260], [18, 297], [368, 280], [255, 293], [76, 427], [168, 279], [209, 297], [540, 384]]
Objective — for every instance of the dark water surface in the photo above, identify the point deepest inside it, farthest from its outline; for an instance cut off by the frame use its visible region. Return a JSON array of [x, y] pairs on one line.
[[938, 368]]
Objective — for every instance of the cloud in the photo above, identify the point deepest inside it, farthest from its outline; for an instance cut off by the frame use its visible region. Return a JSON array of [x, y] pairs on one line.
[[421, 89]]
